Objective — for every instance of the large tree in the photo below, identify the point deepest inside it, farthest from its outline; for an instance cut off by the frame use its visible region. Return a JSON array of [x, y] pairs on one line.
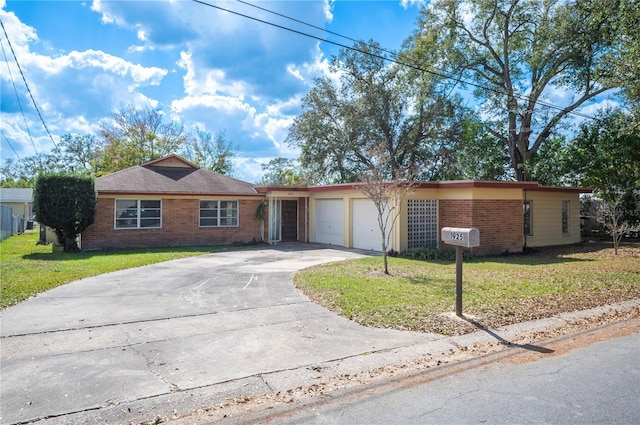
[[80, 153], [210, 152], [625, 61], [605, 155], [136, 136], [478, 157], [374, 103], [283, 172], [516, 53]]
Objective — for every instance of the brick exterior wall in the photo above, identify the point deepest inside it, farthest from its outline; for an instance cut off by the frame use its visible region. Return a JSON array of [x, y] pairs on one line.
[[499, 222], [180, 227]]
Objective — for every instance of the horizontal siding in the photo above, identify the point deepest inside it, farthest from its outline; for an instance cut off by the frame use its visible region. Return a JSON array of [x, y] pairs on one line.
[[546, 211]]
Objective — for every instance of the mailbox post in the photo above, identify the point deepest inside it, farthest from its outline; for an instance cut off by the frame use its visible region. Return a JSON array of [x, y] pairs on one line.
[[461, 238]]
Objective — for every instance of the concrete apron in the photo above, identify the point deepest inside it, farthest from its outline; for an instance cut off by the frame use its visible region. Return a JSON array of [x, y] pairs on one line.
[[163, 329]]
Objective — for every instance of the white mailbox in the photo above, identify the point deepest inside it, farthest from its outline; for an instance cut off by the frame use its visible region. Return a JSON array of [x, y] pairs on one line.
[[460, 236]]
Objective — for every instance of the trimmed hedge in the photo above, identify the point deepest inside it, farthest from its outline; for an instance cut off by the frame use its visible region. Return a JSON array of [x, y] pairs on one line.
[[67, 204], [432, 253]]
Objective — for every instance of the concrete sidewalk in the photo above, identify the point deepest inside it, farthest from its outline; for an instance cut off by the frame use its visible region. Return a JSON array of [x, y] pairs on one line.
[[169, 339]]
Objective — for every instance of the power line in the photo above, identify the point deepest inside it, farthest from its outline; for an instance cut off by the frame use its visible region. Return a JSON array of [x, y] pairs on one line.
[[26, 124], [28, 89], [437, 72], [313, 26], [303, 23], [11, 146]]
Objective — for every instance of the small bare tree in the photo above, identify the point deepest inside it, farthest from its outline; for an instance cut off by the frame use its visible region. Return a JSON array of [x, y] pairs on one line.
[[610, 215], [387, 188]]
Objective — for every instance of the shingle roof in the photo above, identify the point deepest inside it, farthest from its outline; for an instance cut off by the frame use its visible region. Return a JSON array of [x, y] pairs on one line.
[[154, 178], [16, 195]]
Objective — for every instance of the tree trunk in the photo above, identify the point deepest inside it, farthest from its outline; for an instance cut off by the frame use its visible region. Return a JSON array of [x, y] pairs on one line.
[[69, 242], [518, 152], [385, 261]]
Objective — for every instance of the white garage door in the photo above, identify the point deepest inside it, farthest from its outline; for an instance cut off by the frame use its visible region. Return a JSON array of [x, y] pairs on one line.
[[364, 226], [330, 221]]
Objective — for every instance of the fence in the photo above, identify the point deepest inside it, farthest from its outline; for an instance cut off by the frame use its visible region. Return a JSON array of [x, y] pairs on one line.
[[10, 224], [6, 222]]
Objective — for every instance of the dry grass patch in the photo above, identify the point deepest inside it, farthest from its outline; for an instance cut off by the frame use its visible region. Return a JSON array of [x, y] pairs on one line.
[[497, 291]]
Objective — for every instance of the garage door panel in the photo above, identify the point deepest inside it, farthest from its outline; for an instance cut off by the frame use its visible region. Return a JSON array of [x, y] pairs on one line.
[[364, 226], [329, 221]]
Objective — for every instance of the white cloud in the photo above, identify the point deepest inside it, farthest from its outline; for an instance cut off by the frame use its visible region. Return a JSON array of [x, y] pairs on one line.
[[599, 105], [250, 169], [223, 104], [199, 81], [418, 3], [328, 9], [318, 66], [106, 18]]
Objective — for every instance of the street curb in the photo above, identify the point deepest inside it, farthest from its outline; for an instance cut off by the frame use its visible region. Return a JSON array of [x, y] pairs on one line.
[[286, 385]]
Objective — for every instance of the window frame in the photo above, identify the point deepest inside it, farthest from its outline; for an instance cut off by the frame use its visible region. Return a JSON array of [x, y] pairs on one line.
[[139, 214], [527, 212], [566, 208], [219, 216]]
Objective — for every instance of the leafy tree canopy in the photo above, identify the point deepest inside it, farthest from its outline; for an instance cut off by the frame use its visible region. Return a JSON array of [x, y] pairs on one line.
[[135, 136], [283, 172], [605, 155], [210, 152], [374, 104], [515, 52]]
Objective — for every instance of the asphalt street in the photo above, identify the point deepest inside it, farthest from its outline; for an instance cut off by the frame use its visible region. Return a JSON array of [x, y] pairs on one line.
[[167, 338], [596, 384]]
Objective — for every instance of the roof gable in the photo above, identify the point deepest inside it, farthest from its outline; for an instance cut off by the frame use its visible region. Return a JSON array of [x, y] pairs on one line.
[[172, 160], [171, 175]]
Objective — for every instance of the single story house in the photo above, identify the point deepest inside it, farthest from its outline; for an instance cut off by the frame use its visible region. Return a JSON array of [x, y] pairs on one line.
[[172, 202], [508, 215], [19, 199]]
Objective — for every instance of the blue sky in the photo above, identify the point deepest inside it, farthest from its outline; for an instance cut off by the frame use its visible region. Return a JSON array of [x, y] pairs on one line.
[[85, 60]]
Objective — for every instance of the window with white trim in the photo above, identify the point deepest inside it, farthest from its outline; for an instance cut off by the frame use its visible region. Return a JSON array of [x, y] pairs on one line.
[[138, 214], [217, 213]]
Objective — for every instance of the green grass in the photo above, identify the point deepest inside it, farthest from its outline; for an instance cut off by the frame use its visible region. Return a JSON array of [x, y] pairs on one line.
[[417, 295], [27, 269]]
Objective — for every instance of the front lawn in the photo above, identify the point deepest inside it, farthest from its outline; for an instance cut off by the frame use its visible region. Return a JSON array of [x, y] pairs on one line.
[[497, 291], [27, 269]]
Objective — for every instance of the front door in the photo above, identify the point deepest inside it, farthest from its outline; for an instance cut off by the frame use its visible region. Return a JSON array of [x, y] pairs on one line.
[[289, 220]]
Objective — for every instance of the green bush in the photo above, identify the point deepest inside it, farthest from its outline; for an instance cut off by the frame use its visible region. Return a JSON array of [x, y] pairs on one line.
[[432, 253], [67, 204]]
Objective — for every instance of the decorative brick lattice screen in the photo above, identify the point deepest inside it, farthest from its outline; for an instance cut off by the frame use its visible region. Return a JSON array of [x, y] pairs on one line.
[[422, 223]]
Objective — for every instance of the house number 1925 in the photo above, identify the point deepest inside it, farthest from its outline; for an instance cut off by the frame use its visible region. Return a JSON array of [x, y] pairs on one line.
[[455, 236]]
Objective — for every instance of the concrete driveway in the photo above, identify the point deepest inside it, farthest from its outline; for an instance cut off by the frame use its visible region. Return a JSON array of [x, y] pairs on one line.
[[119, 347]]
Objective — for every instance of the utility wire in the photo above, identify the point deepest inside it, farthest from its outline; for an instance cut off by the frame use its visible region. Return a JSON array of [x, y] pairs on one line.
[[4, 53], [28, 89], [11, 146], [304, 23], [391, 52], [433, 71]]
